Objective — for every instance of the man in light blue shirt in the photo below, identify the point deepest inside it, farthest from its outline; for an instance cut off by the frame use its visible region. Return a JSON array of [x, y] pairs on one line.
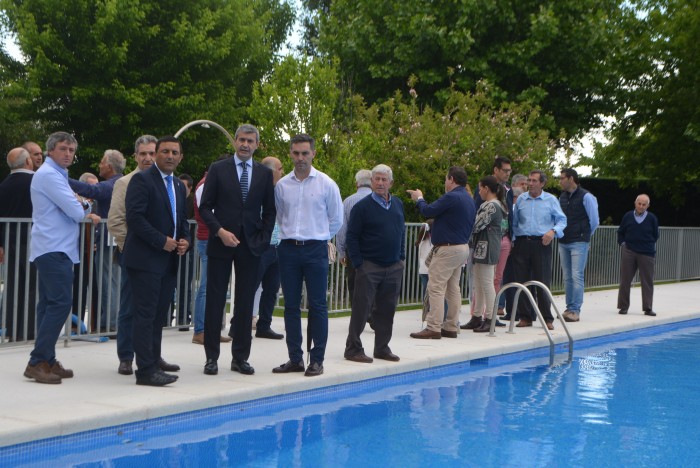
[[309, 213], [54, 250], [537, 219]]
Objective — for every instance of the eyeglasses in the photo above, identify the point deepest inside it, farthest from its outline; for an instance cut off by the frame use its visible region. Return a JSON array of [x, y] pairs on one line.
[[508, 171]]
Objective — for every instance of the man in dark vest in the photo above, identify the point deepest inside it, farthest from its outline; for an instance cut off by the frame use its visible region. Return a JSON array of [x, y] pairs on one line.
[[581, 210]]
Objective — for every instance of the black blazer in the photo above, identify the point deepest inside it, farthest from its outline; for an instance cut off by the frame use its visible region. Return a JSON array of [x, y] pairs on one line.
[[222, 206], [150, 222]]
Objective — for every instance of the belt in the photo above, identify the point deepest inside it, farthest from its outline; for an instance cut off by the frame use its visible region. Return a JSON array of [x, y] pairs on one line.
[[301, 242], [446, 244], [530, 238]]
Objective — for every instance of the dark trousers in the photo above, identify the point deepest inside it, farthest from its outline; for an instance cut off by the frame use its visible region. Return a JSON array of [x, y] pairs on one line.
[[218, 276], [125, 322], [350, 274], [55, 300], [185, 295], [532, 261], [20, 295], [152, 295], [269, 278], [630, 262], [508, 297], [375, 286], [299, 263]]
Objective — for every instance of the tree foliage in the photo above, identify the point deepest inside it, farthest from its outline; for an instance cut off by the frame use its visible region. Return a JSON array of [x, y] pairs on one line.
[[556, 54], [656, 133], [110, 70]]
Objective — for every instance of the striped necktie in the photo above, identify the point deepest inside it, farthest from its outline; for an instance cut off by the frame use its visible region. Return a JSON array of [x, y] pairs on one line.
[[244, 181], [171, 196]]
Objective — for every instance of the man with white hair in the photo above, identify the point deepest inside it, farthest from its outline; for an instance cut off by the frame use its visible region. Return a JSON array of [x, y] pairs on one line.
[[377, 247], [637, 235], [363, 182]]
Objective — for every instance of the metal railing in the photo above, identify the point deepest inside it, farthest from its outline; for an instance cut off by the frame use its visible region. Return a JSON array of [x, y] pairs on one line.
[[97, 298]]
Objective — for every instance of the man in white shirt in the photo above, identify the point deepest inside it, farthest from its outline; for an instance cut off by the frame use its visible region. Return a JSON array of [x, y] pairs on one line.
[[309, 213]]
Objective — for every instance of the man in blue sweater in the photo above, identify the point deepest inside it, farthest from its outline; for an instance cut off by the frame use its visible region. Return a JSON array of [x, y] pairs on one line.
[[376, 245], [637, 235], [454, 215]]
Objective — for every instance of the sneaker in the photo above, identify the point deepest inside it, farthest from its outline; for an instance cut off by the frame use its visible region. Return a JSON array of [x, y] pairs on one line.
[[570, 316]]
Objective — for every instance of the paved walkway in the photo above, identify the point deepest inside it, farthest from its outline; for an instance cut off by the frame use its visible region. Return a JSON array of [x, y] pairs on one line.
[[99, 397]]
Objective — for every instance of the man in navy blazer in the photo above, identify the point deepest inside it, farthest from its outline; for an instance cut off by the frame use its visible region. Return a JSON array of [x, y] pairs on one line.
[[238, 206], [158, 233]]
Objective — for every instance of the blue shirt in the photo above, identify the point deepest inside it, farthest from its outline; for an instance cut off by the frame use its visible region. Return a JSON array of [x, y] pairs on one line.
[[536, 216], [348, 204], [56, 214], [454, 215]]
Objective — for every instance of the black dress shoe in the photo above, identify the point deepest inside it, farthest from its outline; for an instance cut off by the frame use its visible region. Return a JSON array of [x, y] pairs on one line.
[[269, 333], [474, 322], [623, 312], [650, 313], [157, 379], [125, 368], [387, 356], [289, 366], [360, 357], [242, 366], [167, 367], [211, 368], [314, 369]]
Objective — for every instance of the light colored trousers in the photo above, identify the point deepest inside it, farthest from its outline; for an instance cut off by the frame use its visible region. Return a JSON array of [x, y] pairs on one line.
[[443, 284], [484, 291]]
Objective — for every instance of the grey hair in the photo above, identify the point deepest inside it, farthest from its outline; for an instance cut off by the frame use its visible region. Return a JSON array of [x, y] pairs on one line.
[[116, 160], [363, 178], [248, 128], [60, 137], [517, 191], [517, 178], [144, 140], [543, 176], [383, 169], [87, 175], [20, 161]]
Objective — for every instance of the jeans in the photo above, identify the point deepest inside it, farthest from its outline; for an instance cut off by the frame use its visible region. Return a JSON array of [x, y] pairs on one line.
[[55, 301], [299, 263], [200, 300], [573, 264], [125, 321]]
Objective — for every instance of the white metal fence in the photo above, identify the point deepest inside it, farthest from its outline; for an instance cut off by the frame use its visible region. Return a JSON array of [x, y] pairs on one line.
[[96, 291]]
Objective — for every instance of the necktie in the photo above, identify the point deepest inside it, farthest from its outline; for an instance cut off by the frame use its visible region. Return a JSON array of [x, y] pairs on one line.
[[244, 181], [171, 196]]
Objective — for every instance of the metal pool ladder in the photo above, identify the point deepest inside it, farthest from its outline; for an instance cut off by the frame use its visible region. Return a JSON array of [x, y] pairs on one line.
[[523, 287]]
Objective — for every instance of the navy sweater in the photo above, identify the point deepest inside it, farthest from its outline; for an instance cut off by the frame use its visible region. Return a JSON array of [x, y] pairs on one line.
[[639, 237], [454, 215], [376, 234]]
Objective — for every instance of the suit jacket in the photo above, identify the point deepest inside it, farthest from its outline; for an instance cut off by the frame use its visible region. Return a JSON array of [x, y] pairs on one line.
[[16, 203], [116, 220], [222, 206], [150, 222]]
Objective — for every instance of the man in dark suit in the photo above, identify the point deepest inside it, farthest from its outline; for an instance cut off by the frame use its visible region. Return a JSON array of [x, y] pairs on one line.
[[238, 206], [17, 203], [158, 233]]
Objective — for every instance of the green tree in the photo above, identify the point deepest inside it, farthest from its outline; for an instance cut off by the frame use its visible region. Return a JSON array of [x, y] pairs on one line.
[[110, 70], [656, 132], [555, 54]]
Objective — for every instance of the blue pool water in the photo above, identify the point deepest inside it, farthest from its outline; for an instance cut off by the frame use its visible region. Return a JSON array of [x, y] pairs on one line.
[[629, 403]]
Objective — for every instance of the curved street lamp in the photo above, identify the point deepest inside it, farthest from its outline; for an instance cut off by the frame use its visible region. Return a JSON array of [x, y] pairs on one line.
[[206, 124]]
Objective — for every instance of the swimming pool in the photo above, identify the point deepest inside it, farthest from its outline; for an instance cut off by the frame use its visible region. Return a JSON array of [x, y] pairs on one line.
[[632, 402]]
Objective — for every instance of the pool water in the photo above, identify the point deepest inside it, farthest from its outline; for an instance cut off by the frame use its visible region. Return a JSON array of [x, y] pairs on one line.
[[628, 403]]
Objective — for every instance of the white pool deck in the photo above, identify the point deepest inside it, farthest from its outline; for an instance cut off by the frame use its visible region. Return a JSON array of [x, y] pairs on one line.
[[99, 397]]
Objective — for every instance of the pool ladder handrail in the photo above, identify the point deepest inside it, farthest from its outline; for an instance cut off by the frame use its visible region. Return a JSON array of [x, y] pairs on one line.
[[523, 287]]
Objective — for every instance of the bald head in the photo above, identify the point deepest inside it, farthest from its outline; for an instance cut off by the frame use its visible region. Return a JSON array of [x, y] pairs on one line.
[[19, 158], [641, 204], [35, 153], [276, 166]]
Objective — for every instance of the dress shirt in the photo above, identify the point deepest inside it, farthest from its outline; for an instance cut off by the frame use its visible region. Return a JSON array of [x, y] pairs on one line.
[[56, 213], [348, 205], [384, 203], [590, 204], [640, 218], [536, 216], [275, 238], [239, 168], [309, 209], [173, 209]]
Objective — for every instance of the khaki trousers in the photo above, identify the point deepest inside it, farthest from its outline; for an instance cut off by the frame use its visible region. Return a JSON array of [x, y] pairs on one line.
[[443, 284]]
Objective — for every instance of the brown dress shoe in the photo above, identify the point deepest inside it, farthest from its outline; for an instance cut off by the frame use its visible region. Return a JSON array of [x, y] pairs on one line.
[[198, 338], [448, 334], [42, 373], [223, 339], [427, 334], [550, 325], [126, 368], [60, 371], [360, 357], [524, 323]]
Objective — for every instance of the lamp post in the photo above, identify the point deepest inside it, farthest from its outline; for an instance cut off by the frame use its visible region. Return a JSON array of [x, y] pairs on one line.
[[206, 124]]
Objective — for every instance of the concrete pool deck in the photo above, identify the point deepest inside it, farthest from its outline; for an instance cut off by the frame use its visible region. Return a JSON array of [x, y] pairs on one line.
[[99, 397]]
